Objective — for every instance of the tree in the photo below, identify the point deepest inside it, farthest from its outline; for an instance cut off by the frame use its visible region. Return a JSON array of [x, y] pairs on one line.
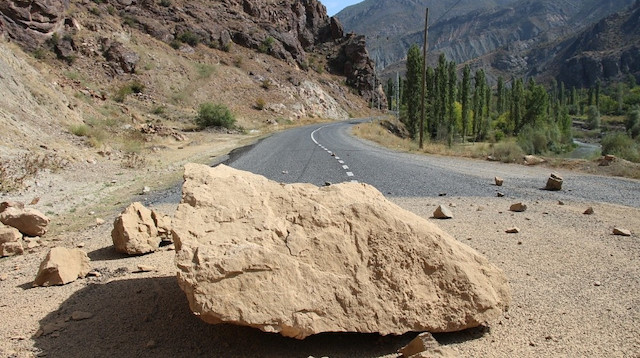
[[451, 100], [464, 99], [412, 90], [500, 101], [517, 105], [391, 93], [593, 117]]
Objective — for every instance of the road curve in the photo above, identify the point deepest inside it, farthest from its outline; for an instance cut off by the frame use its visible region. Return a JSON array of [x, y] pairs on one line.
[[329, 153]]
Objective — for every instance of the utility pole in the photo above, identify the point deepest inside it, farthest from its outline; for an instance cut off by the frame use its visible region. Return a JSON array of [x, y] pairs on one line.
[[424, 74]]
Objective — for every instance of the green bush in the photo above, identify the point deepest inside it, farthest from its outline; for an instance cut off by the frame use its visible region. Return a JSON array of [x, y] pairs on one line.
[[593, 117], [260, 104], [165, 3], [632, 124], [214, 115], [267, 45], [80, 130], [621, 145], [129, 88], [507, 152], [189, 38]]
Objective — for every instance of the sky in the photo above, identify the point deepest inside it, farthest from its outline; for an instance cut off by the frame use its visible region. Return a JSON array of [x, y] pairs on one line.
[[334, 6]]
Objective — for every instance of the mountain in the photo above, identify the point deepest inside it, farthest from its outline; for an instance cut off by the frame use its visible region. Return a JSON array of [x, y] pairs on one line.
[[507, 30], [386, 23], [607, 50]]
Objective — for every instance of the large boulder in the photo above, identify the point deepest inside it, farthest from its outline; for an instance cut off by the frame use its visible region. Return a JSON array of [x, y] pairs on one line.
[[135, 231], [29, 221], [299, 260], [61, 266]]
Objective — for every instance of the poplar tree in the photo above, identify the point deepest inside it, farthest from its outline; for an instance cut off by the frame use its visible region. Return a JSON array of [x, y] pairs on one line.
[[412, 90], [500, 100], [464, 99]]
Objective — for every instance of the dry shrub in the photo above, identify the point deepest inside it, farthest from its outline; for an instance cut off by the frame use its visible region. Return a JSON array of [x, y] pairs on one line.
[[14, 173], [133, 160]]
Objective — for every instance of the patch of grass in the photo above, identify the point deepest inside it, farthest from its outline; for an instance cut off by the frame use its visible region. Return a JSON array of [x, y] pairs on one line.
[[159, 110], [129, 88], [260, 104], [621, 145], [205, 70], [266, 84], [80, 130], [189, 38], [267, 45], [165, 3], [14, 173]]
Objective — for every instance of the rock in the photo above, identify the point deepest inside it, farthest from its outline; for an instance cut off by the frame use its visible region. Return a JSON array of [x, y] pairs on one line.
[[499, 181], [513, 230], [606, 160], [9, 234], [4, 277], [518, 207], [145, 268], [163, 225], [30, 222], [533, 160], [500, 195], [11, 204], [146, 190], [11, 249], [135, 232], [332, 259], [589, 211], [81, 315], [100, 221], [62, 266], [597, 283], [560, 202], [621, 232], [442, 212], [424, 345], [121, 59], [554, 183]]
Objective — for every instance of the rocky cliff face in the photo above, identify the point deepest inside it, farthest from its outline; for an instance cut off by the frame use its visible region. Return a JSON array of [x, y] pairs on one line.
[[608, 50], [293, 31]]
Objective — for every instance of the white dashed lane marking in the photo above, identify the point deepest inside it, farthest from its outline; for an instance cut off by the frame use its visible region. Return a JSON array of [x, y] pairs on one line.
[[340, 161]]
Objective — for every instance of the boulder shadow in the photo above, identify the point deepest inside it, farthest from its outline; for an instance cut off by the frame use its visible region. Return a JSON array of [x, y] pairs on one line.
[[150, 317], [108, 253]]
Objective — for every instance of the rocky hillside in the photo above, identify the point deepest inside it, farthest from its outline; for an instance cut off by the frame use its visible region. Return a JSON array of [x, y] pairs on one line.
[[608, 50], [386, 23], [109, 65], [506, 31]]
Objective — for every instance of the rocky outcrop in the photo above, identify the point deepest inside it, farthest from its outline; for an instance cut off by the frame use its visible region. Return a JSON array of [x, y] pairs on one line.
[[288, 30], [32, 22], [10, 241], [120, 58], [138, 230], [62, 266], [30, 222], [299, 260]]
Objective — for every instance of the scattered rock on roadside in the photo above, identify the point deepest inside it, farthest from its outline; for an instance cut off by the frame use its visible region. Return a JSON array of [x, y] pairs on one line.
[[442, 212], [513, 230], [518, 207], [424, 345], [621, 232], [346, 241], [554, 183], [30, 222], [500, 195], [533, 160], [81, 315], [62, 266], [499, 181], [589, 211], [135, 230], [145, 268]]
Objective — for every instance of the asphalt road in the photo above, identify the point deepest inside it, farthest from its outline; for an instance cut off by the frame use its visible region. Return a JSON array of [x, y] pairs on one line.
[[329, 153]]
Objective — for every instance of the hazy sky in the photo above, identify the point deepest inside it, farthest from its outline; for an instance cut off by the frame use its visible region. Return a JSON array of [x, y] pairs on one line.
[[334, 6]]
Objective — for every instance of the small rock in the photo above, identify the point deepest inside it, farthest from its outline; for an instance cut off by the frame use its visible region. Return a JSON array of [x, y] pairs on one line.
[[533, 160], [151, 344], [11, 249], [100, 221], [146, 190], [480, 208], [442, 212], [92, 213], [621, 232], [499, 181], [597, 283], [424, 345], [589, 211], [554, 183], [145, 268], [518, 207], [513, 230], [442, 194], [4, 277], [452, 205], [560, 202], [327, 183], [81, 245], [285, 172], [94, 273], [35, 201], [500, 195], [81, 315]]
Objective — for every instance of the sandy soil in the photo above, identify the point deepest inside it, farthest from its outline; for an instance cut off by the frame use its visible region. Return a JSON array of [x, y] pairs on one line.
[[575, 286]]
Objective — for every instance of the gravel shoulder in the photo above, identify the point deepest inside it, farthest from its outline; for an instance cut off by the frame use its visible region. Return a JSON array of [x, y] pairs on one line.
[[575, 286]]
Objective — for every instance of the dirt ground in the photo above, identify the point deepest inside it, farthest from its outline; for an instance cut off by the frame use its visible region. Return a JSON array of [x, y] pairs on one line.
[[575, 286]]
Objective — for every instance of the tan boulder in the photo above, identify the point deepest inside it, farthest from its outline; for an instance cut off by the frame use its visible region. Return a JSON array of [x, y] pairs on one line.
[[135, 231], [11, 204], [61, 266], [424, 345], [499, 181], [513, 230], [10, 241], [554, 183], [621, 232], [589, 211], [30, 222], [442, 212], [300, 260], [533, 160]]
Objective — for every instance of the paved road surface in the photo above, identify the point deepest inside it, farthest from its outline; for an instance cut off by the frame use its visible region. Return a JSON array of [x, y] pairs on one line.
[[329, 153]]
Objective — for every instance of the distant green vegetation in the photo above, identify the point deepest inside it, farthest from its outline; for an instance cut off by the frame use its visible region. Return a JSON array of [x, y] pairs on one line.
[[539, 117], [214, 115]]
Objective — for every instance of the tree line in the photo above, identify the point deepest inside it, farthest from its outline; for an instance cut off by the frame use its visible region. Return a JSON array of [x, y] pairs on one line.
[[469, 108]]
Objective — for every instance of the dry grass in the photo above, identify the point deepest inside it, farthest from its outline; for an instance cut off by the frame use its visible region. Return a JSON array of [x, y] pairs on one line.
[[14, 173]]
